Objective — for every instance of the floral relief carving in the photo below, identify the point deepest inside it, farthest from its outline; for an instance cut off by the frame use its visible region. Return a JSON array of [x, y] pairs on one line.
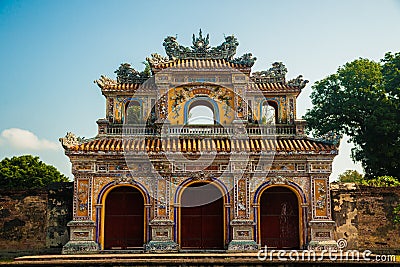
[[321, 199]]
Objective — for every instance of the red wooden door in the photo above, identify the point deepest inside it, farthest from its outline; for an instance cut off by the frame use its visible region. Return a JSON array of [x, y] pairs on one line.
[[279, 213], [124, 219], [202, 219]]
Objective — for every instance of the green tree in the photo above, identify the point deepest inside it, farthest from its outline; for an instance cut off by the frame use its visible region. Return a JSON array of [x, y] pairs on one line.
[[27, 172], [381, 181], [351, 176], [147, 69], [361, 100], [133, 114]]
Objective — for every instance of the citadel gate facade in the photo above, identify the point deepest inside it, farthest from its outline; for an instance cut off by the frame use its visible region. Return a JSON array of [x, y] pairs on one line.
[[198, 152]]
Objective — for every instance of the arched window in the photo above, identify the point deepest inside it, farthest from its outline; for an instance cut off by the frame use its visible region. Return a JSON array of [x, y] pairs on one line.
[[201, 112], [269, 114], [133, 112]]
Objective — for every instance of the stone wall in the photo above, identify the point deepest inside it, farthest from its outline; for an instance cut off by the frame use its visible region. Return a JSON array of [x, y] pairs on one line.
[[364, 216], [34, 221]]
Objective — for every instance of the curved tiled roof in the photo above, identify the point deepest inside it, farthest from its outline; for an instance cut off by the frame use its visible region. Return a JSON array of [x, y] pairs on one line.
[[122, 86], [199, 63], [271, 86], [206, 145], [275, 86]]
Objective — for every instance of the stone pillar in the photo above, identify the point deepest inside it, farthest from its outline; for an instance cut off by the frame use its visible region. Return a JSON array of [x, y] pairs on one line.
[[102, 127], [81, 238], [322, 235], [162, 81], [243, 236], [82, 228], [162, 226], [161, 233], [321, 226], [242, 225]]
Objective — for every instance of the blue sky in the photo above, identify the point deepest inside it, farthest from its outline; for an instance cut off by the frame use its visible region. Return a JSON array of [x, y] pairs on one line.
[[52, 51]]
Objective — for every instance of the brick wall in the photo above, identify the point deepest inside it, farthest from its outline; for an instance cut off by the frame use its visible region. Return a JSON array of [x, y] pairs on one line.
[[34, 221], [364, 216]]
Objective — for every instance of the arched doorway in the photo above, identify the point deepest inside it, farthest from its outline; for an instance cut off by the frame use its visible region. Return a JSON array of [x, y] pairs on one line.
[[201, 110], [269, 114], [124, 219], [279, 218], [202, 217], [201, 115]]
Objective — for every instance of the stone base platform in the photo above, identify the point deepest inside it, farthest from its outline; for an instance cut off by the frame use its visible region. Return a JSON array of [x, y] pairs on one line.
[[190, 259]]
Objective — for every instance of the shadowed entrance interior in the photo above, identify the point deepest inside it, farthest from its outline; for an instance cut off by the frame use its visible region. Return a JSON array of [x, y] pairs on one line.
[[202, 217], [124, 219], [279, 213]]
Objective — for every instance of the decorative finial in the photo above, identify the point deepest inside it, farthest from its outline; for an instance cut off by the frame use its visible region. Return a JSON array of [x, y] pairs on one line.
[[70, 140]]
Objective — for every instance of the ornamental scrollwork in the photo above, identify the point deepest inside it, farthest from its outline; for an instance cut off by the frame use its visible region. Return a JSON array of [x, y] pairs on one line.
[[223, 96], [178, 98], [82, 196], [220, 94], [201, 176], [279, 180], [124, 179], [320, 204], [321, 200]]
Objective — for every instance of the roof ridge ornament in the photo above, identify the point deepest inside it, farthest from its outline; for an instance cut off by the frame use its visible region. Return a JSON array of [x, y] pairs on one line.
[[298, 82], [277, 73], [156, 59], [247, 59], [201, 49], [71, 140], [200, 45], [127, 74]]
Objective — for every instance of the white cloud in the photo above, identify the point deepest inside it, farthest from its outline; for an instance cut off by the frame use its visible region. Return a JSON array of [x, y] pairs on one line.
[[23, 139]]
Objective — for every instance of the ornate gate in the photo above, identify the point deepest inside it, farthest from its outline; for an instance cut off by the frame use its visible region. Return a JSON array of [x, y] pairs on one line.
[[279, 215], [202, 217], [124, 219]]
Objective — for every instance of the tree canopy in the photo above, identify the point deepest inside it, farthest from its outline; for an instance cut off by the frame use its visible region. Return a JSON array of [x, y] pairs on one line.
[[350, 176], [353, 176], [362, 101], [26, 172]]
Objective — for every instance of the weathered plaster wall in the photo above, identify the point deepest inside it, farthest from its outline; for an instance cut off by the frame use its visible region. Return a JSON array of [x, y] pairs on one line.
[[23, 217], [59, 213], [364, 216], [35, 220]]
